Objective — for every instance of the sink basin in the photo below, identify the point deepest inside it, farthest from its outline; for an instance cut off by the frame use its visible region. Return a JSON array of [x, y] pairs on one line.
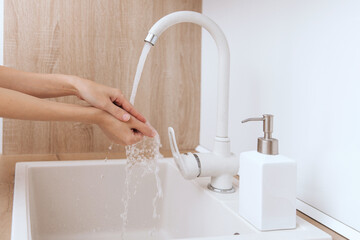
[[82, 200]]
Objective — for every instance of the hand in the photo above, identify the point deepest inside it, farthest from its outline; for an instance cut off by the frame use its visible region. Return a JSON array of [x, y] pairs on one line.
[[124, 133], [105, 98], [17, 105]]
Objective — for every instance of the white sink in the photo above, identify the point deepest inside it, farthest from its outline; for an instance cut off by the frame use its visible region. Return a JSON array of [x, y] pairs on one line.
[[82, 200]]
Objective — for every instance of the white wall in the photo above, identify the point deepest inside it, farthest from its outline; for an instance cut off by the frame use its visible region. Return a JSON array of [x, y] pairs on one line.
[[1, 61], [299, 60]]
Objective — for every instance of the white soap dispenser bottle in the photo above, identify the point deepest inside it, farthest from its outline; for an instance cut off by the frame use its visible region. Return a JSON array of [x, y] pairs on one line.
[[267, 188]]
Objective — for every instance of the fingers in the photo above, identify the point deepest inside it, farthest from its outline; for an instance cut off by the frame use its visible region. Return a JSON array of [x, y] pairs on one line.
[[142, 127], [117, 112], [121, 134], [137, 137], [128, 138], [127, 106], [124, 133]]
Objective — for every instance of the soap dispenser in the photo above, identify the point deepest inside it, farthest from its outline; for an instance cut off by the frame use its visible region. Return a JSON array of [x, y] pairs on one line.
[[267, 188]]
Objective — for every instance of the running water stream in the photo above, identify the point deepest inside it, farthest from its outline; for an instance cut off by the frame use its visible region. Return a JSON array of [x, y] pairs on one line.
[[143, 155], [139, 71]]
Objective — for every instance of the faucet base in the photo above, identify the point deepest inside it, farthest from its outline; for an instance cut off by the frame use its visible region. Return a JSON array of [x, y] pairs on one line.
[[217, 190]]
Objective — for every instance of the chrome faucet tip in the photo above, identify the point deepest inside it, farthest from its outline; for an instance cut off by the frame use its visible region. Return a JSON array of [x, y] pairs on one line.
[[151, 38]]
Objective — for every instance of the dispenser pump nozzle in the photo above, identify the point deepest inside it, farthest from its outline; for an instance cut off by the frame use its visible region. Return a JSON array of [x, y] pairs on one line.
[[266, 144]]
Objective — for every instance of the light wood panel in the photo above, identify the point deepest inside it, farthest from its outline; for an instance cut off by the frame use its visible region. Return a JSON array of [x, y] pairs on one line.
[[102, 41]]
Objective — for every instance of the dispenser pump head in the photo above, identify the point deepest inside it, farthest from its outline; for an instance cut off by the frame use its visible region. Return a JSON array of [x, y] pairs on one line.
[[266, 144]]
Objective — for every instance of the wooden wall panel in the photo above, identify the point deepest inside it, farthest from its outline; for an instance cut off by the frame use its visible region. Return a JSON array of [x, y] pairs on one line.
[[102, 41]]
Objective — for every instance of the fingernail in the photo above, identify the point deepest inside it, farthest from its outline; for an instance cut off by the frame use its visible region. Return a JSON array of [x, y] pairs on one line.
[[126, 117]]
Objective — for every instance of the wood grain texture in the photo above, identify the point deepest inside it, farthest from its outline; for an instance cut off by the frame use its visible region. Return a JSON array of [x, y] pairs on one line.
[[102, 41]]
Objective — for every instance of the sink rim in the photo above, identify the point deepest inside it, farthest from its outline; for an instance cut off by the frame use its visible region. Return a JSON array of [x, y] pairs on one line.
[[21, 217]]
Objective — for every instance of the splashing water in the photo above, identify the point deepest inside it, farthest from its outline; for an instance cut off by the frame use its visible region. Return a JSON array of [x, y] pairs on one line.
[[143, 155]]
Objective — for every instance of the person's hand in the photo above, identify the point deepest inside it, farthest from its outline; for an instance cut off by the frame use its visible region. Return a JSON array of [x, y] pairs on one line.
[[106, 98], [124, 133]]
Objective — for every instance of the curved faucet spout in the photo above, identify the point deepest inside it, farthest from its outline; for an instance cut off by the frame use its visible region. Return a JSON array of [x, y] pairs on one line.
[[224, 58], [221, 165]]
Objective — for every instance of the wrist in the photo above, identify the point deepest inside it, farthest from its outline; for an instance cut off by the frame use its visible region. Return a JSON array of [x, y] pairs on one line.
[[74, 82]]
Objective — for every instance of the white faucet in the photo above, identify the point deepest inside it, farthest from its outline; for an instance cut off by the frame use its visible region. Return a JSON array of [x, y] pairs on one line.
[[221, 165]]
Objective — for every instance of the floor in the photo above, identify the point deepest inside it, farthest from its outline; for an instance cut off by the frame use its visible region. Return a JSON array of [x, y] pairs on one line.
[[7, 171]]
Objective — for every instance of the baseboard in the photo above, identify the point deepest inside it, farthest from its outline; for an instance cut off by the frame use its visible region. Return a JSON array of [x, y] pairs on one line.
[[328, 221]]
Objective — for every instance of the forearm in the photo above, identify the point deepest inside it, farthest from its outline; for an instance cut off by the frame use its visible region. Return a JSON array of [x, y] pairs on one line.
[[37, 84], [17, 105]]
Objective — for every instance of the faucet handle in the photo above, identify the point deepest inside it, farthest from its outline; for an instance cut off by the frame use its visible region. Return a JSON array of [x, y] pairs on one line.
[[173, 145], [186, 163]]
